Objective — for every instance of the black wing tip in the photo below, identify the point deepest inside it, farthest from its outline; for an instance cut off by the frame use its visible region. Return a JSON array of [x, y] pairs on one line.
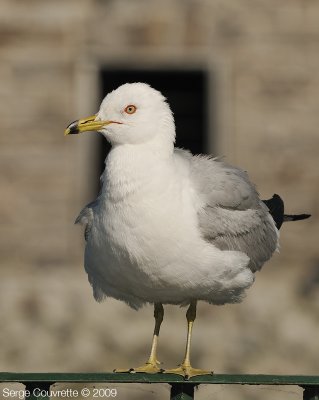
[[275, 200], [276, 209], [275, 206], [296, 217]]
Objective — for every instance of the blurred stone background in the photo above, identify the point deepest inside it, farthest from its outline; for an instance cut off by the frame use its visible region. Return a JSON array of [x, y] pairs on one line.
[[264, 58]]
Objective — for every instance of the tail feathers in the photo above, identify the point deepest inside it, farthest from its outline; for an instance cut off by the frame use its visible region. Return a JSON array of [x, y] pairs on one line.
[[276, 208], [296, 217]]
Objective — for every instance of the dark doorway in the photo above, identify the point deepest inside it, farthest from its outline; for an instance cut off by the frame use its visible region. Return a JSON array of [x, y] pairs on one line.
[[186, 92]]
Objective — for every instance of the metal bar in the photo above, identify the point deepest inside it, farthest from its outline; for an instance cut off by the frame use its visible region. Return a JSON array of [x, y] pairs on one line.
[[298, 380], [182, 391], [311, 393], [38, 384]]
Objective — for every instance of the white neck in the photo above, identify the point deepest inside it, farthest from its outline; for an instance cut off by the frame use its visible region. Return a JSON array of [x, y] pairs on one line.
[[130, 168]]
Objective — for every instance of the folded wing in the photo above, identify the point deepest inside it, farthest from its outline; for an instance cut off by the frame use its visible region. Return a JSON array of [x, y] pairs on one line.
[[232, 216]]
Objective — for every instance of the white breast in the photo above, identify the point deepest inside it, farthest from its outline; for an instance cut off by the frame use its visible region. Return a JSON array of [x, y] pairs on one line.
[[145, 244]]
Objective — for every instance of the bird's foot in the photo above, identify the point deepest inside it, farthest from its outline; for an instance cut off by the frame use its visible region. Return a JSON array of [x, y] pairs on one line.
[[187, 371], [148, 368]]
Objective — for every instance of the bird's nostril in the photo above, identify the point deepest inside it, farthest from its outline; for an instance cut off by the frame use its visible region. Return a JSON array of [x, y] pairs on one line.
[[86, 121]]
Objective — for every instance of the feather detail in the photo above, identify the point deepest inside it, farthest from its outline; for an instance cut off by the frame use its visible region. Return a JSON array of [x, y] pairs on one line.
[[86, 217]]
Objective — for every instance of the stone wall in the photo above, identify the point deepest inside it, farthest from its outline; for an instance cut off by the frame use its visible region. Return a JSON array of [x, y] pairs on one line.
[[265, 59]]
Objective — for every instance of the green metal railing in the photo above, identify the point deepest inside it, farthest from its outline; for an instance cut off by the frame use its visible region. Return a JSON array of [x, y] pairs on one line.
[[38, 384]]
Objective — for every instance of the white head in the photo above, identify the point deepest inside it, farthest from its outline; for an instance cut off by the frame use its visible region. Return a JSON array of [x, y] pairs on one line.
[[134, 113]]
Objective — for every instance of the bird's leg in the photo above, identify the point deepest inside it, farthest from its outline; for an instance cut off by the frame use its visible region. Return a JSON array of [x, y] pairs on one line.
[[158, 315], [151, 366], [185, 369]]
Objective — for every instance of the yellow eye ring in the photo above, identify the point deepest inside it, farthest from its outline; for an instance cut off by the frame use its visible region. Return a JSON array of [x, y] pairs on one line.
[[130, 109]]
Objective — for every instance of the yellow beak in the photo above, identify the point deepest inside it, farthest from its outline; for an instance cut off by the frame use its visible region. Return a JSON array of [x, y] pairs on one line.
[[84, 125]]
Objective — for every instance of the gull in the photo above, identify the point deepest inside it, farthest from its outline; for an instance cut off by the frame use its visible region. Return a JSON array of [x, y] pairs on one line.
[[169, 227]]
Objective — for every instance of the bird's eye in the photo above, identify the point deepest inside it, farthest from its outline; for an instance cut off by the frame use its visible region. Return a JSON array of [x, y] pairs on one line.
[[130, 109]]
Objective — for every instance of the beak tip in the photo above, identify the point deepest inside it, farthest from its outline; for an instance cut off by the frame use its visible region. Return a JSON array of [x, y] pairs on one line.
[[72, 129]]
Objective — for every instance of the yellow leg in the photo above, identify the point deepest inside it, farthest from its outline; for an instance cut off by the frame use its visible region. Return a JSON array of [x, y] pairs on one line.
[[152, 365], [185, 369]]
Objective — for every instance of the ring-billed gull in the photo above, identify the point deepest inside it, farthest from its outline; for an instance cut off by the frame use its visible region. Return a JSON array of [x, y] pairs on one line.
[[169, 227]]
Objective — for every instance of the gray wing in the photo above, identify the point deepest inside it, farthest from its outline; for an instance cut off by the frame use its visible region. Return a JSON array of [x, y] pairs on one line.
[[231, 215], [86, 217]]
